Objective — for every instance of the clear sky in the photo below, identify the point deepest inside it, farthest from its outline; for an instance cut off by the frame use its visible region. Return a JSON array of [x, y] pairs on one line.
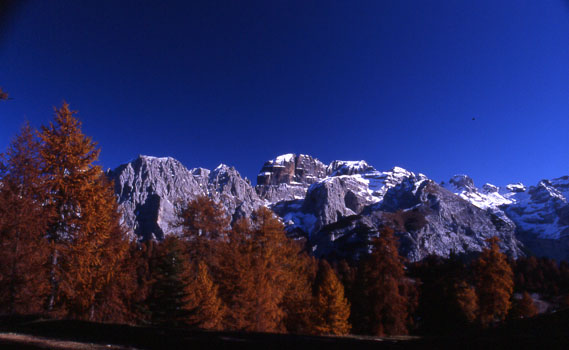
[[239, 82]]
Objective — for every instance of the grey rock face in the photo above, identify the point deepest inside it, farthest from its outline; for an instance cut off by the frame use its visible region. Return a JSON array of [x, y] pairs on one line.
[[541, 215], [226, 186], [151, 191], [287, 177], [335, 198], [343, 212], [454, 225], [341, 167], [463, 182], [427, 218], [291, 168]]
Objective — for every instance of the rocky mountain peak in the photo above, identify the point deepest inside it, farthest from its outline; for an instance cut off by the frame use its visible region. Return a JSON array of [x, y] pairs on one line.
[[516, 188], [288, 177], [291, 169], [463, 182], [489, 188], [343, 167]]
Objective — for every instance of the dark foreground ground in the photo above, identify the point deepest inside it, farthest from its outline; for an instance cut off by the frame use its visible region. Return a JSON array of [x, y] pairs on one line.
[[544, 332]]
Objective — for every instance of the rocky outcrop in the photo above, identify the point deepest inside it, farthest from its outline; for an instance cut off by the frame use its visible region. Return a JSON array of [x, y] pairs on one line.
[[225, 185], [428, 219], [288, 176], [453, 225], [540, 214], [151, 191]]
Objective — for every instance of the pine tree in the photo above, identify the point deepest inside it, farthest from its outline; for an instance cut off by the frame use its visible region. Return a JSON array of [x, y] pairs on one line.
[[382, 301], [141, 256], [448, 303], [168, 301], [331, 308], [203, 304], [23, 221], [87, 241], [494, 284]]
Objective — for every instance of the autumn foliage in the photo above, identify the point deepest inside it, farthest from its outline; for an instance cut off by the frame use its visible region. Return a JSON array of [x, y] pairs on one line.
[[494, 284], [331, 308], [60, 221], [384, 297], [65, 254], [23, 221]]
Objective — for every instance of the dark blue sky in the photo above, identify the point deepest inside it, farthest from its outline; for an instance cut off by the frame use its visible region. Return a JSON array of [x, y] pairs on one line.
[[239, 82]]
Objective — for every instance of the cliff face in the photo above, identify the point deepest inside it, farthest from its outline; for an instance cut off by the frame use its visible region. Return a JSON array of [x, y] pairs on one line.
[[288, 177], [151, 191], [539, 214], [338, 208]]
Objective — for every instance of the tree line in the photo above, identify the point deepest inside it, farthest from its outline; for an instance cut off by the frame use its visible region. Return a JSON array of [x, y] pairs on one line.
[[65, 254]]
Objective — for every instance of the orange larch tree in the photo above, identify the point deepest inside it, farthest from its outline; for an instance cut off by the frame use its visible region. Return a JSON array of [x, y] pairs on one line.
[[331, 308], [524, 307], [87, 242], [205, 308], [258, 268], [494, 284], [466, 300], [204, 223], [23, 221]]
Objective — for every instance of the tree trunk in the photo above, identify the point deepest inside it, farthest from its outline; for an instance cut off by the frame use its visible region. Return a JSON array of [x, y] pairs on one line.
[[53, 280]]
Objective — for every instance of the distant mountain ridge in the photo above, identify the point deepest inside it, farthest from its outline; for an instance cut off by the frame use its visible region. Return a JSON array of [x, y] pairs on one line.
[[337, 208]]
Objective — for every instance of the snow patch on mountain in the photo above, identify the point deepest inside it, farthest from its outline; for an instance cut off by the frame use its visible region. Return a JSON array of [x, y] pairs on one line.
[[537, 211], [489, 197], [350, 187]]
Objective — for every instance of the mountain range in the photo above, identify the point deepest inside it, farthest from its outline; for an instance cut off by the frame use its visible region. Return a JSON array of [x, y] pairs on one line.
[[337, 208]]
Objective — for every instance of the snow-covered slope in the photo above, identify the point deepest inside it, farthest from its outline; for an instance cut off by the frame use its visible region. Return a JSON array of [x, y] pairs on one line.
[[344, 210], [487, 197], [540, 213]]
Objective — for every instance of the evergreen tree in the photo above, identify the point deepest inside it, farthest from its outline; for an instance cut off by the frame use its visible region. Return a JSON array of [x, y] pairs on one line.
[[87, 241], [494, 284], [141, 256], [382, 302], [169, 298], [23, 221], [448, 303], [331, 309]]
